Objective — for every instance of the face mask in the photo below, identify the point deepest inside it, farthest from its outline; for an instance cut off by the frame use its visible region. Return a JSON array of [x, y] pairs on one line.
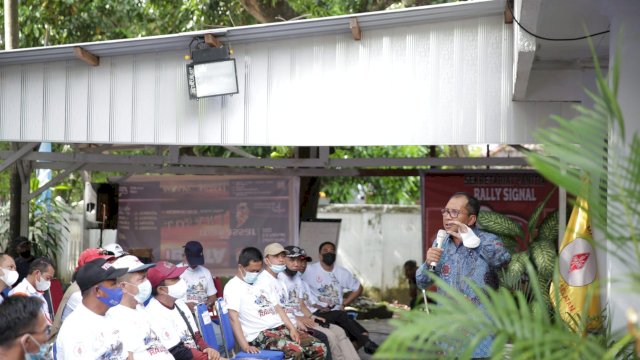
[[144, 291], [250, 277], [9, 277], [178, 290], [42, 284], [44, 351], [114, 296], [277, 268], [26, 254], [329, 258], [290, 273]]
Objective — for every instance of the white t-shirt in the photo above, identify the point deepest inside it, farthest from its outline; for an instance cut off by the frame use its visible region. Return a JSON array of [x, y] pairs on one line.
[[87, 335], [137, 335], [199, 284], [72, 303], [255, 311], [169, 325], [296, 291], [329, 287], [276, 292], [25, 287]]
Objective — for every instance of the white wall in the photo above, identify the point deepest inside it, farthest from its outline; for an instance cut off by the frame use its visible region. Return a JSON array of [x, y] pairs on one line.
[[375, 240]]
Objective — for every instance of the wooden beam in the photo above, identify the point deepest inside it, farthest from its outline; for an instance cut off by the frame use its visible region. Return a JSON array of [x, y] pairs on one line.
[[355, 28], [212, 41], [86, 56]]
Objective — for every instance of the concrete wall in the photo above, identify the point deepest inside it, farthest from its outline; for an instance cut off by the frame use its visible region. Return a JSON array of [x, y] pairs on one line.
[[376, 240]]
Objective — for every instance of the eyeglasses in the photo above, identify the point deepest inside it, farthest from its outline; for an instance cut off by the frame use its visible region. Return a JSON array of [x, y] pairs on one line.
[[452, 212]]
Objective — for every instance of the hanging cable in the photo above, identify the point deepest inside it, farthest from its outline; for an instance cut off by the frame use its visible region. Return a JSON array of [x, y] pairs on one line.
[[547, 38]]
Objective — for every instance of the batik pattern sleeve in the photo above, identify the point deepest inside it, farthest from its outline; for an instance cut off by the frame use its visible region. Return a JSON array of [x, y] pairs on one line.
[[423, 278], [492, 250]]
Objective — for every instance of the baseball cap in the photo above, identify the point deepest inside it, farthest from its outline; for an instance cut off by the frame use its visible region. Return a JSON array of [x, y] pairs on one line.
[[91, 254], [297, 251], [274, 249], [162, 271], [116, 249], [132, 263], [193, 252], [95, 272]]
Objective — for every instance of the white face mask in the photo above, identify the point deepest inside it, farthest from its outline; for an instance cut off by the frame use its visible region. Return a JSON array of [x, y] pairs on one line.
[[144, 291], [42, 284], [9, 277], [178, 290]]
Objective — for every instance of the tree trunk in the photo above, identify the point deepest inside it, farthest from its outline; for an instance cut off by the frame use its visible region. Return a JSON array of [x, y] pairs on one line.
[[266, 11], [11, 42]]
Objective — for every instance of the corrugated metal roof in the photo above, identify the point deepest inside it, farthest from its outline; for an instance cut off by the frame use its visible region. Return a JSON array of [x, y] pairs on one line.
[[262, 32]]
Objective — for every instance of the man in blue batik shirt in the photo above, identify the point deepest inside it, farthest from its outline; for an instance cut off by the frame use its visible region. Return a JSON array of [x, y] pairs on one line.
[[466, 253]]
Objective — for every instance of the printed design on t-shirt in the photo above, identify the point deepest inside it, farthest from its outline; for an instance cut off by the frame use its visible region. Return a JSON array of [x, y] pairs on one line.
[[265, 306], [152, 343], [330, 293], [292, 304], [197, 293], [114, 352], [187, 340]]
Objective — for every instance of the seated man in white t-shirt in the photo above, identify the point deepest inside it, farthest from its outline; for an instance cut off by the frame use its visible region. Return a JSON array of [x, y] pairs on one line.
[[170, 317], [130, 317], [256, 322], [297, 293], [37, 282], [200, 287], [87, 333], [327, 282]]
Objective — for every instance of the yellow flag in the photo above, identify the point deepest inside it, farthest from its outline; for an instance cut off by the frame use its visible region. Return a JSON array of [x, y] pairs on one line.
[[578, 269]]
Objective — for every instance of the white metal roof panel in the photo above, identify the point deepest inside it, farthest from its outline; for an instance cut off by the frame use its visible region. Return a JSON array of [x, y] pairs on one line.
[[414, 82]]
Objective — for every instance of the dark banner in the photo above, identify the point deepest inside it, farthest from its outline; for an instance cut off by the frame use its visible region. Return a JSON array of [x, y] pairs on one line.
[[224, 213], [515, 194]]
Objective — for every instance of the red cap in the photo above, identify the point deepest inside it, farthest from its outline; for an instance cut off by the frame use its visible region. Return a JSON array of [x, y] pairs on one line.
[[162, 271], [92, 254]]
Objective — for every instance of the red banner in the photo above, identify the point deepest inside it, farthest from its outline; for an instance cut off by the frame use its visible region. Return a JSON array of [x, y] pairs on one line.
[[515, 194]]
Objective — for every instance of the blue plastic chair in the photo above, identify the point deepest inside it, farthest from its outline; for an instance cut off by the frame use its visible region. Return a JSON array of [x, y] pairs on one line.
[[206, 326], [229, 341]]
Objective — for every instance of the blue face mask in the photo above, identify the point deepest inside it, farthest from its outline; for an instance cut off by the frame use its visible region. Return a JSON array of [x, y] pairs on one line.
[[114, 296], [44, 351], [250, 277], [277, 268]]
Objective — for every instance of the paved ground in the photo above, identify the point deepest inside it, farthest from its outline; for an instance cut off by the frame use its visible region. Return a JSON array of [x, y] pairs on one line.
[[378, 331]]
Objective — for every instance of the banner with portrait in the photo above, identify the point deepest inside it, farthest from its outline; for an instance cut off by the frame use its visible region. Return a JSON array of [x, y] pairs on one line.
[[224, 213]]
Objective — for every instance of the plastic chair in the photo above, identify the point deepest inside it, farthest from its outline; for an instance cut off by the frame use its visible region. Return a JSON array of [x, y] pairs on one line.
[[229, 341], [206, 326]]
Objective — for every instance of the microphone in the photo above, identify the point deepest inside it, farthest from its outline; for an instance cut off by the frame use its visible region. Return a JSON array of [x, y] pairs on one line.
[[439, 240]]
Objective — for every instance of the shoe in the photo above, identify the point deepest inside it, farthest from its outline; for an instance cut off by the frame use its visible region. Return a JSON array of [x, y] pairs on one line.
[[370, 347]]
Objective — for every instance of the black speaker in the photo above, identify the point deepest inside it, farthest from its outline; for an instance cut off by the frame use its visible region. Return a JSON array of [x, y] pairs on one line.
[[107, 205]]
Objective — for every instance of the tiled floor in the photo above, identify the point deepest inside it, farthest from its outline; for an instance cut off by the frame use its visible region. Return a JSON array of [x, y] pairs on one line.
[[378, 332]]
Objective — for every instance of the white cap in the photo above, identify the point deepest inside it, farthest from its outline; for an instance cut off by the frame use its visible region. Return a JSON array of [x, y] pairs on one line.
[[116, 249], [132, 263]]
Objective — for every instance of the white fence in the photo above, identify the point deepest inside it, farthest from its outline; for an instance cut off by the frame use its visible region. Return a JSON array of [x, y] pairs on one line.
[[376, 240]]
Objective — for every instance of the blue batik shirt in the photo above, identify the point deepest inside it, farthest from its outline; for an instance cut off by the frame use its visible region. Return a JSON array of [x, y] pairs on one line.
[[458, 263]]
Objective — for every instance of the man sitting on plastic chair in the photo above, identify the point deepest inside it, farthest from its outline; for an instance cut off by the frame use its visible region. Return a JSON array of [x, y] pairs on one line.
[[256, 322]]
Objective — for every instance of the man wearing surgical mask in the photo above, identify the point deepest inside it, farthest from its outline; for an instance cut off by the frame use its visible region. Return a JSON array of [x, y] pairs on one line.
[[171, 318], [38, 280], [130, 316], [8, 275], [23, 330], [87, 333]]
